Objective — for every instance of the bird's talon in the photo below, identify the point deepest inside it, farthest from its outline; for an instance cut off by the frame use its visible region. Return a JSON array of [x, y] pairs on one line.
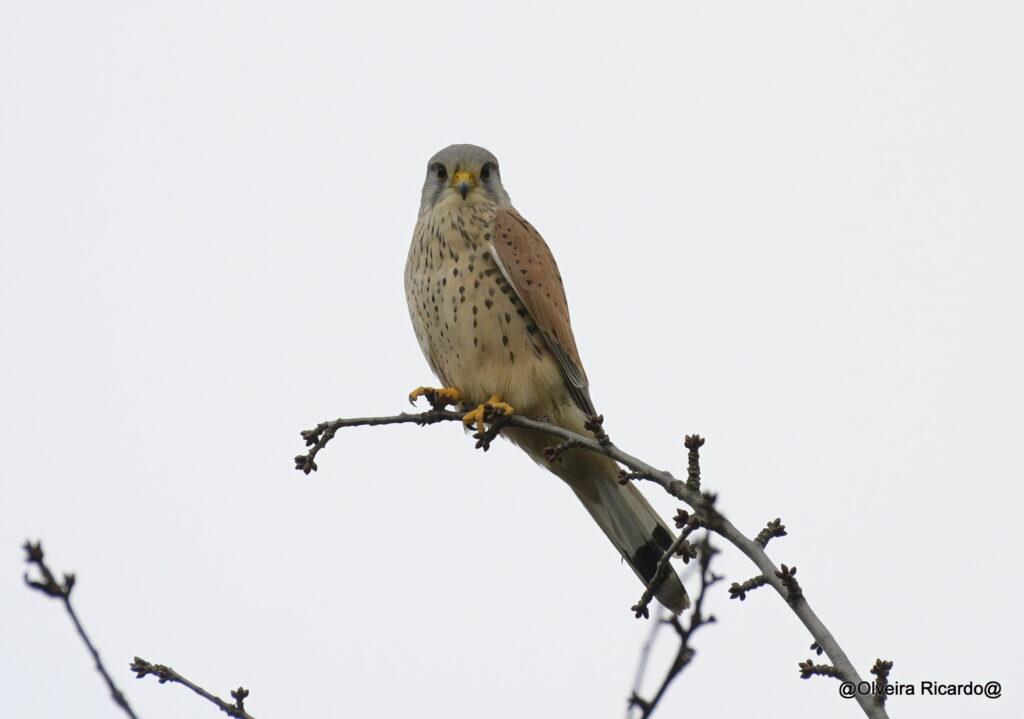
[[437, 397], [486, 412]]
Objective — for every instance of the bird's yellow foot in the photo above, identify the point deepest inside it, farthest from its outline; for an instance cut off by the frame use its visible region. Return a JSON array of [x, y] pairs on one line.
[[485, 412], [437, 397]]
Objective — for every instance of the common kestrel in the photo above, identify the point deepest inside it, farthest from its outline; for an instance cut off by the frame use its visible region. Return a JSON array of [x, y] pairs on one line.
[[490, 314]]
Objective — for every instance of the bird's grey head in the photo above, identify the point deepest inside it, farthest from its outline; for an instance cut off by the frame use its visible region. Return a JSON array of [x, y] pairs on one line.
[[460, 175]]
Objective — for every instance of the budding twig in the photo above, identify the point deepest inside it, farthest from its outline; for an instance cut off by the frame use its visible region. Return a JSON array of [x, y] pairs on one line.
[[774, 528], [626, 477], [554, 454], [739, 591], [52, 588], [685, 652], [809, 669], [788, 577], [693, 442], [881, 672], [595, 424], [165, 674]]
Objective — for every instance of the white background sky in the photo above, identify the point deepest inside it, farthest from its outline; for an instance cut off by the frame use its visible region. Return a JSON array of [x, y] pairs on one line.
[[792, 227]]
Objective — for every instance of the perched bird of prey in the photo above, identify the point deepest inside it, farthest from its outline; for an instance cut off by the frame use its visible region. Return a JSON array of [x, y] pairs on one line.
[[490, 314]]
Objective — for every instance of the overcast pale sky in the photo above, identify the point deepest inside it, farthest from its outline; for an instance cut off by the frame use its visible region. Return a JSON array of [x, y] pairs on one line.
[[794, 228]]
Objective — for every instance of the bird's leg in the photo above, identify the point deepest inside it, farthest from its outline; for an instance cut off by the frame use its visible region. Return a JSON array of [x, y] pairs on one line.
[[485, 412], [438, 398]]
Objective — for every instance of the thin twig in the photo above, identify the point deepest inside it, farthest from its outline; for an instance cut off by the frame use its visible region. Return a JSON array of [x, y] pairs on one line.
[[739, 591], [627, 477], [324, 432], [701, 503], [686, 652], [661, 570], [774, 528], [165, 674], [881, 672], [645, 655], [52, 588], [693, 443]]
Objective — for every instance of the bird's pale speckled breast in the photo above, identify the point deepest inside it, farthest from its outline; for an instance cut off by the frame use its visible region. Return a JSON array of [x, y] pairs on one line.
[[472, 328]]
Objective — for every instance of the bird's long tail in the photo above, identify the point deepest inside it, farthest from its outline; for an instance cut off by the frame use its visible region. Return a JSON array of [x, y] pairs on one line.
[[632, 525], [622, 513]]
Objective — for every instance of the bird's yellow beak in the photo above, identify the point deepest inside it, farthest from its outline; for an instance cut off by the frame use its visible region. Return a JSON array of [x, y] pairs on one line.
[[463, 182]]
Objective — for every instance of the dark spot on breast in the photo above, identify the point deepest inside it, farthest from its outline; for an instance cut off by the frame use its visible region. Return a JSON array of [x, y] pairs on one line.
[[476, 283], [521, 312], [508, 317], [455, 272], [511, 357], [475, 309], [462, 289], [489, 303], [504, 340]]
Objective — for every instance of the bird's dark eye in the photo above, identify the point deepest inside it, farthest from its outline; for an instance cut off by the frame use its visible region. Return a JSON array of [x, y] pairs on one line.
[[439, 172], [485, 171]]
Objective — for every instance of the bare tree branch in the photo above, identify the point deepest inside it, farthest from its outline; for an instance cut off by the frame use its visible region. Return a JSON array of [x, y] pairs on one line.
[[685, 652], [165, 674], [702, 503], [52, 588], [645, 656]]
